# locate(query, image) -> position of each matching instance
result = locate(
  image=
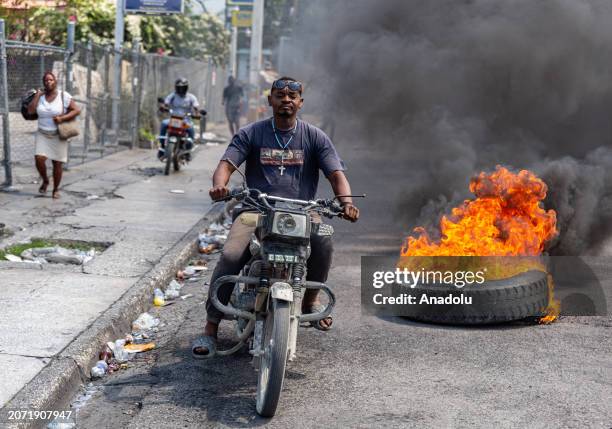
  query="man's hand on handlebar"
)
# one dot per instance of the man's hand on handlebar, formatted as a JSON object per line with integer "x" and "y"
{"x": 350, "y": 212}
{"x": 328, "y": 208}
{"x": 218, "y": 192}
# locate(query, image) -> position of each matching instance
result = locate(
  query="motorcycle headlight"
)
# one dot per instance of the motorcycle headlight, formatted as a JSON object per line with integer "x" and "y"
{"x": 173, "y": 139}
{"x": 290, "y": 224}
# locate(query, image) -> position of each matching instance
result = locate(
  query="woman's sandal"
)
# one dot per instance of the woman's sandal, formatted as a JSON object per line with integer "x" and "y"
{"x": 205, "y": 342}
{"x": 317, "y": 308}
{"x": 43, "y": 188}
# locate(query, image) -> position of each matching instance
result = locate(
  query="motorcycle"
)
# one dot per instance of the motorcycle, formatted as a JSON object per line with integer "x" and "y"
{"x": 177, "y": 144}
{"x": 267, "y": 296}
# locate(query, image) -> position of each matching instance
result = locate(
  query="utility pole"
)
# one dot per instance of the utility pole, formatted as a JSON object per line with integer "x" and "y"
{"x": 229, "y": 25}
{"x": 116, "y": 95}
{"x": 255, "y": 60}
{"x": 233, "y": 52}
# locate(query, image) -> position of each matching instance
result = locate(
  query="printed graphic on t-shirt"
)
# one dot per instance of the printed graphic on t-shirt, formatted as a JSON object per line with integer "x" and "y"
{"x": 287, "y": 157}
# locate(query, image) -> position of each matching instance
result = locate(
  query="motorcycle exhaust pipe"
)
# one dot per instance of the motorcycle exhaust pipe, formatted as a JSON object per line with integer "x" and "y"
{"x": 312, "y": 317}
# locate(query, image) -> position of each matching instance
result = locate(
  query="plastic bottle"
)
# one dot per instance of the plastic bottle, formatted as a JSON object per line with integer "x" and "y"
{"x": 121, "y": 355}
{"x": 100, "y": 369}
{"x": 158, "y": 298}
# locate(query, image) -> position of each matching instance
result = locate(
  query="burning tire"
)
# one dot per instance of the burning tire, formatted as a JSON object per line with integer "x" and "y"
{"x": 519, "y": 297}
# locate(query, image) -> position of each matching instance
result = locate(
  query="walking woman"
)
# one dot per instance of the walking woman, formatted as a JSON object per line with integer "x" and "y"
{"x": 53, "y": 107}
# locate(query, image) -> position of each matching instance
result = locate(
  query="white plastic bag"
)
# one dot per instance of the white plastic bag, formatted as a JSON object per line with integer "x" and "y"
{"x": 144, "y": 322}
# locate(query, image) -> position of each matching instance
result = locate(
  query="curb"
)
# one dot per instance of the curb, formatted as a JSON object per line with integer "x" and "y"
{"x": 53, "y": 387}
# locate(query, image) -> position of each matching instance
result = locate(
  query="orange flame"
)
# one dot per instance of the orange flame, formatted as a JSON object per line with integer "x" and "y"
{"x": 554, "y": 305}
{"x": 505, "y": 219}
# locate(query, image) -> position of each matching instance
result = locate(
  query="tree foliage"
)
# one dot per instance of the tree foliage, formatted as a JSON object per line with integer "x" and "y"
{"x": 185, "y": 35}
{"x": 48, "y": 25}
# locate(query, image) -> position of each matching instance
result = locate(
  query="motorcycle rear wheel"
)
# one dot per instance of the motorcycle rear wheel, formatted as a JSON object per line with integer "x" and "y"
{"x": 169, "y": 156}
{"x": 274, "y": 359}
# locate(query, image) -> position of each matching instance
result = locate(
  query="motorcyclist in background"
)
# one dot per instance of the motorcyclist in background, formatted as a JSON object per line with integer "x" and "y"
{"x": 181, "y": 103}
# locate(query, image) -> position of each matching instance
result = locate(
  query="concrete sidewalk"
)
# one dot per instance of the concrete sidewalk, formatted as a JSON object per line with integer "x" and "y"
{"x": 48, "y": 313}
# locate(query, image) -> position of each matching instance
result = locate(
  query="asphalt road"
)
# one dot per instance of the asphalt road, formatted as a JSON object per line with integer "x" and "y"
{"x": 369, "y": 371}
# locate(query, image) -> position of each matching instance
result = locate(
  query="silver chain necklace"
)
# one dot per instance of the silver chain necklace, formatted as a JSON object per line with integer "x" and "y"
{"x": 284, "y": 148}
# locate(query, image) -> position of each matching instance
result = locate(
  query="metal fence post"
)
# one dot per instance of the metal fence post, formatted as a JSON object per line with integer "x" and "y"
{"x": 116, "y": 96}
{"x": 208, "y": 90}
{"x": 5, "y": 108}
{"x": 103, "y": 132}
{"x": 68, "y": 71}
{"x": 41, "y": 56}
{"x": 86, "y": 131}
{"x": 69, "y": 53}
{"x": 135, "y": 91}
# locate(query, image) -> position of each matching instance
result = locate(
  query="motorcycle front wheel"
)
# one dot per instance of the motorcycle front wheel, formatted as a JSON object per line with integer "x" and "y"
{"x": 176, "y": 162}
{"x": 169, "y": 156}
{"x": 274, "y": 358}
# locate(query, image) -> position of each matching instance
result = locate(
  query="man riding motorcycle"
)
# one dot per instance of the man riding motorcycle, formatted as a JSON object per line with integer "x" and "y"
{"x": 283, "y": 155}
{"x": 181, "y": 103}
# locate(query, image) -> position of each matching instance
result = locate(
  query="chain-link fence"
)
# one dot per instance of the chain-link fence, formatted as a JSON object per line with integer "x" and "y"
{"x": 26, "y": 65}
{"x": 89, "y": 72}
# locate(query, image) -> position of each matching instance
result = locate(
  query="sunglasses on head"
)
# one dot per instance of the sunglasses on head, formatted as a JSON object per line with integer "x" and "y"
{"x": 282, "y": 84}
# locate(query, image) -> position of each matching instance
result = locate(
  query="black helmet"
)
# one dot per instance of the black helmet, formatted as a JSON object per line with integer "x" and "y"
{"x": 180, "y": 86}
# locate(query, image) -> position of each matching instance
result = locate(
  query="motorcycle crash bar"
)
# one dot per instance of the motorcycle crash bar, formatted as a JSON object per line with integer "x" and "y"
{"x": 232, "y": 311}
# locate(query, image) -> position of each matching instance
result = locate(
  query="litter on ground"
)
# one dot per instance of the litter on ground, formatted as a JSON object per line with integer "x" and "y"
{"x": 57, "y": 255}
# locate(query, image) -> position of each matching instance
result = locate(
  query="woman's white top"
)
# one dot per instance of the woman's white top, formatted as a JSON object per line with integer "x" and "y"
{"x": 46, "y": 111}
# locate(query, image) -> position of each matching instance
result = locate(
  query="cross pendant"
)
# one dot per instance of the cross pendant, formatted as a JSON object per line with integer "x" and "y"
{"x": 282, "y": 167}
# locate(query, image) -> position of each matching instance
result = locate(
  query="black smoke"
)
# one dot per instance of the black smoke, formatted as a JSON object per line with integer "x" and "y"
{"x": 465, "y": 85}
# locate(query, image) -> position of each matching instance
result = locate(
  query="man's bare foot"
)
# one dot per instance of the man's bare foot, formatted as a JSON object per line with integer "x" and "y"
{"x": 210, "y": 330}
{"x": 325, "y": 324}
{"x": 56, "y": 195}
{"x": 315, "y": 307}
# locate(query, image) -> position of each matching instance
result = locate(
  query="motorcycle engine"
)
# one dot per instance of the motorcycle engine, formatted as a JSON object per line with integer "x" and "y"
{"x": 246, "y": 300}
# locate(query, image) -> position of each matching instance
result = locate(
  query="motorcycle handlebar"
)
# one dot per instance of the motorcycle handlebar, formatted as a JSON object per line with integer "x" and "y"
{"x": 166, "y": 109}
{"x": 326, "y": 207}
{"x": 336, "y": 208}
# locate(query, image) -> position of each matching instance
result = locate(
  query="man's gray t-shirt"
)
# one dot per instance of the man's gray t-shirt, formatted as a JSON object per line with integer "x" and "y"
{"x": 182, "y": 105}
{"x": 292, "y": 172}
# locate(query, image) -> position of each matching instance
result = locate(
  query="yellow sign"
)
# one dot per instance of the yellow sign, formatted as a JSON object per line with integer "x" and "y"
{"x": 242, "y": 18}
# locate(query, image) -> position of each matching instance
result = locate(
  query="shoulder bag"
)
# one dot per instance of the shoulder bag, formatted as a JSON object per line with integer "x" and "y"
{"x": 67, "y": 129}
